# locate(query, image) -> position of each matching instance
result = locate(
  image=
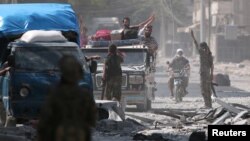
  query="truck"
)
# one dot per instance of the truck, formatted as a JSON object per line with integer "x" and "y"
{"x": 23, "y": 89}
{"x": 138, "y": 83}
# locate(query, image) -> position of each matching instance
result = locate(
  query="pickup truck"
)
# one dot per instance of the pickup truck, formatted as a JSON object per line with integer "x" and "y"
{"x": 138, "y": 83}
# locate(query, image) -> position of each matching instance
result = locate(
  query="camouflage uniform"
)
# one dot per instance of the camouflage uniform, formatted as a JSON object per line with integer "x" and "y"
{"x": 70, "y": 110}
{"x": 152, "y": 45}
{"x": 113, "y": 77}
{"x": 150, "y": 42}
{"x": 206, "y": 70}
{"x": 206, "y": 63}
{"x": 178, "y": 63}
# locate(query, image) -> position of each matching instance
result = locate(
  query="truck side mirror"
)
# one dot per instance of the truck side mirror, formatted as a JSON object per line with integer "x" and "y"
{"x": 93, "y": 66}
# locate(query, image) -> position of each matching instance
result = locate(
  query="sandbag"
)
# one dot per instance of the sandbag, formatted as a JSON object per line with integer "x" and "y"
{"x": 42, "y": 36}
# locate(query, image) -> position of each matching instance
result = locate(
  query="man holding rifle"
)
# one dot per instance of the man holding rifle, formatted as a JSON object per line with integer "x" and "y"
{"x": 206, "y": 70}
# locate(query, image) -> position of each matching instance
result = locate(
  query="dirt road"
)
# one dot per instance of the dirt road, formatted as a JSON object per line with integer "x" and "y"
{"x": 238, "y": 93}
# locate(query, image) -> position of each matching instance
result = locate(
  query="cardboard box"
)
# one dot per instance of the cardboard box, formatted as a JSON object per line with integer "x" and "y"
{"x": 116, "y": 34}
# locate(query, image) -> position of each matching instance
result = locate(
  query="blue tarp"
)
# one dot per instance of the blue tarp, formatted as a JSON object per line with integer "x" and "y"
{"x": 18, "y": 18}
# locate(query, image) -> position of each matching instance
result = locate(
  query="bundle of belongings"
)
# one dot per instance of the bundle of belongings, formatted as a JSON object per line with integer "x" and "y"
{"x": 42, "y": 36}
{"x": 104, "y": 37}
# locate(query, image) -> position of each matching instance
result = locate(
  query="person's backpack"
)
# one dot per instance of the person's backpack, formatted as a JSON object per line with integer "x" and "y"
{"x": 113, "y": 66}
{"x": 130, "y": 33}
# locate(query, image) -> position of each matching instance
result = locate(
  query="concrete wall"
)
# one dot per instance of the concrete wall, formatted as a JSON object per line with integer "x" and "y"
{"x": 241, "y": 14}
{"x": 230, "y": 50}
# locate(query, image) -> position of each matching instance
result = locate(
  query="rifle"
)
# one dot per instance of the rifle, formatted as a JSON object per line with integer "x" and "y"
{"x": 212, "y": 88}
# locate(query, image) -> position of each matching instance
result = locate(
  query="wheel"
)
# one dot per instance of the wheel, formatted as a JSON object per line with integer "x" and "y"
{"x": 177, "y": 94}
{"x": 140, "y": 107}
{"x": 144, "y": 107}
{"x": 149, "y": 104}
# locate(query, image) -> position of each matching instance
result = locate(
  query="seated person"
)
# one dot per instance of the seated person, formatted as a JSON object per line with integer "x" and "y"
{"x": 130, "y": 32}
{"x": 179, "y": 62}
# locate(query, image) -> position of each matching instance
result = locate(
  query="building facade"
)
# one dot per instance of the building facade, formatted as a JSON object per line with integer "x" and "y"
{"x": 228, "y": 29}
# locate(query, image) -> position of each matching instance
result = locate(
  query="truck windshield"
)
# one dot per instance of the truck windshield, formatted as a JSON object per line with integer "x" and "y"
{"x": 132, "y": 57}
{"x": 44, "y": 58}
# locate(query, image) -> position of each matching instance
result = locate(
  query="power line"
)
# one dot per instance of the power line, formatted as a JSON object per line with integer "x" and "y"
{"x": 168, "y": 10}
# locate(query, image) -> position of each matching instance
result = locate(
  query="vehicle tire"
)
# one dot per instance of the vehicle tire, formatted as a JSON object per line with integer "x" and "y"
{"x": 3, "y": 115}
{"x": 177, "y": 94}
{"x": 149, "y": 106}
{"x": 140, "y": 107}
{"x": 144, "y": 107}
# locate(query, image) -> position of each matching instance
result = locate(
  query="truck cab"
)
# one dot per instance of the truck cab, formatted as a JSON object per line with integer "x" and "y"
{"x": 33, "y": 72}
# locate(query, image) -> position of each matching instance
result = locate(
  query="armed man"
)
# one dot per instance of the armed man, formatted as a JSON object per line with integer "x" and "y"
{"x": 149, "y": 41}
{"x": 206, "y": 70}
{"x": 112, "y": 75}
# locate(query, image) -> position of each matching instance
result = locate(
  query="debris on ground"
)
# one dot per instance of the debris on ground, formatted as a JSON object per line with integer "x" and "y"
{"x": 22, "y": 133}
{"x": 175, "y": 124}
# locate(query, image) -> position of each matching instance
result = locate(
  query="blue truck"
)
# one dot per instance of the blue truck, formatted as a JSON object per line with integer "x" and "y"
{"x": 24, "y": 87}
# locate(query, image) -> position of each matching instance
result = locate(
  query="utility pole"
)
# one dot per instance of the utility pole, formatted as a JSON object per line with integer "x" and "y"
{"x": 202, "y": 21}
{"x": 173, "y": 39}
{"x": 209, "y": 22}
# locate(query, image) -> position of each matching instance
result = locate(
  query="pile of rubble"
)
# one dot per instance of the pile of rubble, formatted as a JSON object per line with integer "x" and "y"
{"x": 229, "y": 114}
{"x": 158, "y": 124}
{"x": 175, "y": 124}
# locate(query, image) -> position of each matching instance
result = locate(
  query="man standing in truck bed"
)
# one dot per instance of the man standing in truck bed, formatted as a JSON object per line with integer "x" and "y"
{"x": 149, "y": 41}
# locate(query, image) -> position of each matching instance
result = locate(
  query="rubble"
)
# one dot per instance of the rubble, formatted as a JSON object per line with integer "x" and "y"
{"x": 240, "y": 65}
{"x": 152, "y": 137}
{"x": 176, "y": 124}
{"x": 22, "y": 133}
{"x": 110, "y": 110}
{"x": 126, "y": 127}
